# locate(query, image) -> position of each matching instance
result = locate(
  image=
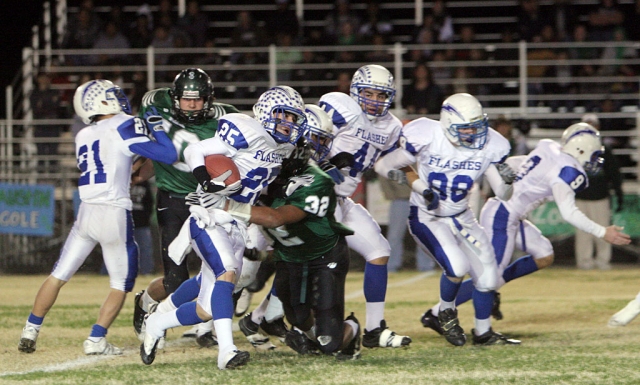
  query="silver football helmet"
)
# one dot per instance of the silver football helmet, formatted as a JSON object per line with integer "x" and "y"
{"x": 99, "y": 97}
{"x": 271, "y": 109}
{"x": 582, "y": 141}
{"x": 464, "y": 122}
{"x": 319, "y": 131}
{"x": 374, "y": 77}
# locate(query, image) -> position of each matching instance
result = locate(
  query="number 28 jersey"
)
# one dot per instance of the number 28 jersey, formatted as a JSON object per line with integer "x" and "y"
{"x": 446, "y": 168}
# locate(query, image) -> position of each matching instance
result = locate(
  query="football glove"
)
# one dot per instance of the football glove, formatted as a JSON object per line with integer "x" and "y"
{"x": 398, "y": 176}
{"x": 506, "y": 173}
{"x": 432, "y": 198}
{"x": 342, "y": 160}
{"x": 153, "y": 119}
{"x": 216, "y": 185}
{"x": 332, "y": 170}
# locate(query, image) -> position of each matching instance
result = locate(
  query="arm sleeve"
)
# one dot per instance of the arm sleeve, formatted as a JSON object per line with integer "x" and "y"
{"x": 501, "y": 189}
{"x": 565, "y": 199}
{"x": 394, "y": 160}
{"x": 194, "y": 153}
{"x": 162, "y": 150}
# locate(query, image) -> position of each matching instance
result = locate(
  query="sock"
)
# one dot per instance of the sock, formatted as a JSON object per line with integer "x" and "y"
{"x": 224, "y": 331}
{"x": 274, "y": 308}
{"x": 166, "y": 306}
{"x": 204, "y": 328}
{"x": 186, "y": 314}
{"x": 258, "y": 313}
{"x": 97, "y": 332}
{"x": 186, "y": 292}
{"x": 464, "y": 292}
{"x": 34, "y": 321}
{"x": 354, "y": 328}
{"x": 522, "y": 266}
{"x": 147, "y": 301}
{"x": 482, "y": 326}
{"x": 375, "y": 290}
{"x": 157, "y": 323}
{"x": 448, "y": 289}
{"x": 483, "y": 303}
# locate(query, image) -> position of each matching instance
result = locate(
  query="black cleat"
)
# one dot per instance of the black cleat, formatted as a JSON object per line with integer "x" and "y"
{"x": 138, "y": 316}
{"x": 299, "y": 342}
{"x": 276, "y": 328}
{"x": 238, "y": 358}
{"x": 451, "y": 328}
{"x": 383, "y": 337}
{"x": 431, "y": 321}
{"x": 495, "y": 310}
{"x": 148, "y": 349}
{"x": 492, "y": 338}
{"x": 352, "y": 351}
{"x": 251, "y": 330}
{"x": 207, "y": 340}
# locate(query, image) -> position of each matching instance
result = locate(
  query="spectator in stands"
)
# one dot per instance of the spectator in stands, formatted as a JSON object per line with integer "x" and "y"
{"x": 517, "y": 140}
{"x": 563, "y": 85}
{"x": 306, "y": 74}
{"x": 442, "y": 22}
{"x": 122, "y": 20}
{"x": 535, "y": 71}
{"x": 246, "y": 34}
{"x": 595, "y": 202}
{"x": 631, "y": 25}
{"x": 617, "y": 53}
{"x": 180, "y": 58}
{"x": 195, "y": 23}
{"x": 343, "y": 82}
{"x": 142, "y": 199}
{"x": 467, "y": 36}
{"x": 441, "y": 71}
{"x": 531, "y": 20}
{"x": 45, "y": 105}
{"x": 564, "y": 16}
{"x": 340, "y": 15}
{"x": 603, "y": 21}
{"x": 165, "y": 9}
{"x": 111, "y": 38}
{"x": 141, "y": 34}
{"x": 81, "y": 33}
{"x": 283, "y": 20}
{"x": 422, "y": 96}
{"x": 286, "y": 55}
{"x": 162, "y": 39}
{"x": 423, "y": 36}
{"x": 375, "y": 23}
{"x": 377, "y": 53}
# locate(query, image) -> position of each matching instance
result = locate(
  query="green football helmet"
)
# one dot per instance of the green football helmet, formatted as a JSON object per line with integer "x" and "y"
{"x": 192, "y": 83}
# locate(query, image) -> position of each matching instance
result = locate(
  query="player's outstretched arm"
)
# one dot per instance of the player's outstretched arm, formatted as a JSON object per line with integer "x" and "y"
{"x": 615, "y": 236}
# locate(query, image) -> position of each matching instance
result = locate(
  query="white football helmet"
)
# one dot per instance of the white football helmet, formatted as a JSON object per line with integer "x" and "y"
{"x": 270, "y": 110}
{"x": 582, "y": 141}
{"x": 99, "y": 97}
{"x": 319, "y": 131}
{"x": 464, "y": 122}
{"x": 378, "y": 78}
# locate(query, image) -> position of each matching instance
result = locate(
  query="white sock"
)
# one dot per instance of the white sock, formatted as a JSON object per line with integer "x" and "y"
{"x": 166, "y": 306}
{"x": 375, "y": 314}
{"x": 274, "y": 309}
{"x": 435, "y": 310}
{"x": 147, "y": 301}
{"x": 258, "y": 313}
{"x": 354, "y": 328}
{"x": 37, "y": 327}
{"x": 204, "y": 328}
{"x": 157, "y": 323}
{"x": 482, "y": 326}
{"x": 224, "y": 332}
{"x": 444, "y": 305}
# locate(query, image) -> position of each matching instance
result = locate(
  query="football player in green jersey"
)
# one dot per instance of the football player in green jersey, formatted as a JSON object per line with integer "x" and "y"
{"x": 190, "y": 115}
{"x": 310, "y": 250}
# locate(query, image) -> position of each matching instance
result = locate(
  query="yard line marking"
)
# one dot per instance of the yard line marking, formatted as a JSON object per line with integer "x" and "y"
{"x": 360, "y": 293}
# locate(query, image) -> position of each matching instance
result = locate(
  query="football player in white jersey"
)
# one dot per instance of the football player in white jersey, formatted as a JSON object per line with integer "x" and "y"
{"x": 451, "y": 155}
{"x": 105, "y": 150}
{"x": 551, "y": 171}
{"x": 257, "y": 146}
{"x": 364, "y": 129}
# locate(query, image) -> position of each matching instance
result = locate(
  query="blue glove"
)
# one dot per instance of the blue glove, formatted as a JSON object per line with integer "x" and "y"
{"x": 153, "y": 119}
{"x": 332, "y": 170}
{"x": 432, "y": 198}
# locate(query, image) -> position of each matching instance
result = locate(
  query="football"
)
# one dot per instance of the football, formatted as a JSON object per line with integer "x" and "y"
{"x": 219, "y": 164}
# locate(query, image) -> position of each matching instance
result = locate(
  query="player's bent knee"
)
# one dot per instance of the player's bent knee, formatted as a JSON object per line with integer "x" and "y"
{"x": 379, "y": 261}
{"x": 544, "y": 261}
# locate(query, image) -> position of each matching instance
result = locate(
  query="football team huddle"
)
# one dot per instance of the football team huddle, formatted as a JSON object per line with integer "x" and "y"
{"x": 295, "y": 168}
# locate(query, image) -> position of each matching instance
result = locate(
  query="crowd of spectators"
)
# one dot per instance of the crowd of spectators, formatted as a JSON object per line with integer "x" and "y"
{"x": 159, "y": 25}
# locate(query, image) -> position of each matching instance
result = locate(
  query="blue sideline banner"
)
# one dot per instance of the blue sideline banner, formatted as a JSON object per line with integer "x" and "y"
{"x": 26, "y": 209}
{"x": 548, "y": 219}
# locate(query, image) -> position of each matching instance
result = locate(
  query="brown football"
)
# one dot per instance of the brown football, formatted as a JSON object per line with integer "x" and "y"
{"x": 219, "y": 164}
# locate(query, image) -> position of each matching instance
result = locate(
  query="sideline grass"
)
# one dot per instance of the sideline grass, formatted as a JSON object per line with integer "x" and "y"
{"x": 560, "y": 314}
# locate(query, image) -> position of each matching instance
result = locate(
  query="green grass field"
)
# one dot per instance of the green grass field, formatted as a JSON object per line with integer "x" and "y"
{"x": 560, "y": 314}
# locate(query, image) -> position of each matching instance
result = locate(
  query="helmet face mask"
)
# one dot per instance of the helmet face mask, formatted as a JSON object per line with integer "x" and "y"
{"x": 464, "y": 122}
{"x": 373, "y": 87}
{"x": 319, "y": 132}
{"x": 582, "y": 141}
{"x": 192, "y": 83}
{"x": 99, "y": 97}
{"x": 280, "y": 109}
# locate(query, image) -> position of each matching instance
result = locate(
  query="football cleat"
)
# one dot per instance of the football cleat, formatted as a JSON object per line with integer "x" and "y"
{"x": 138, "y": 316}
{"x": 251, "y": 330}
{"x": 383, "y": 337}
{"x": 621, "y": 318}
{"x": 149, "y": 348}
{"x": 492, "y": 338}
{"x": 451, "y": 328}
{"x": 191, "y": 333}
{"x": 299, "y": 342}
{"x": 352, "y": 351}
{"x": 236, "y": 358}
{"x": 207, "y": 340}
{"x": 102, "y": 347}
{"x": 28, "y": 340}
{"x": 276, "y": 328}
{"x": 495, "y": 310}
{"x": 243, "y": 303}
{"x": 431, "y": 321}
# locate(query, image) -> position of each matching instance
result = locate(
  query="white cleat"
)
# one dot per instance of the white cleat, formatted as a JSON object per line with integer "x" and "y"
{"x": 234, "y": 359}
{"x": 102, "y": 347}
{"x": 149, "y": 348}
{"x": 28, "y": 340}
{"x": 626, "y": 315}
{"x": 243, "y": 303}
